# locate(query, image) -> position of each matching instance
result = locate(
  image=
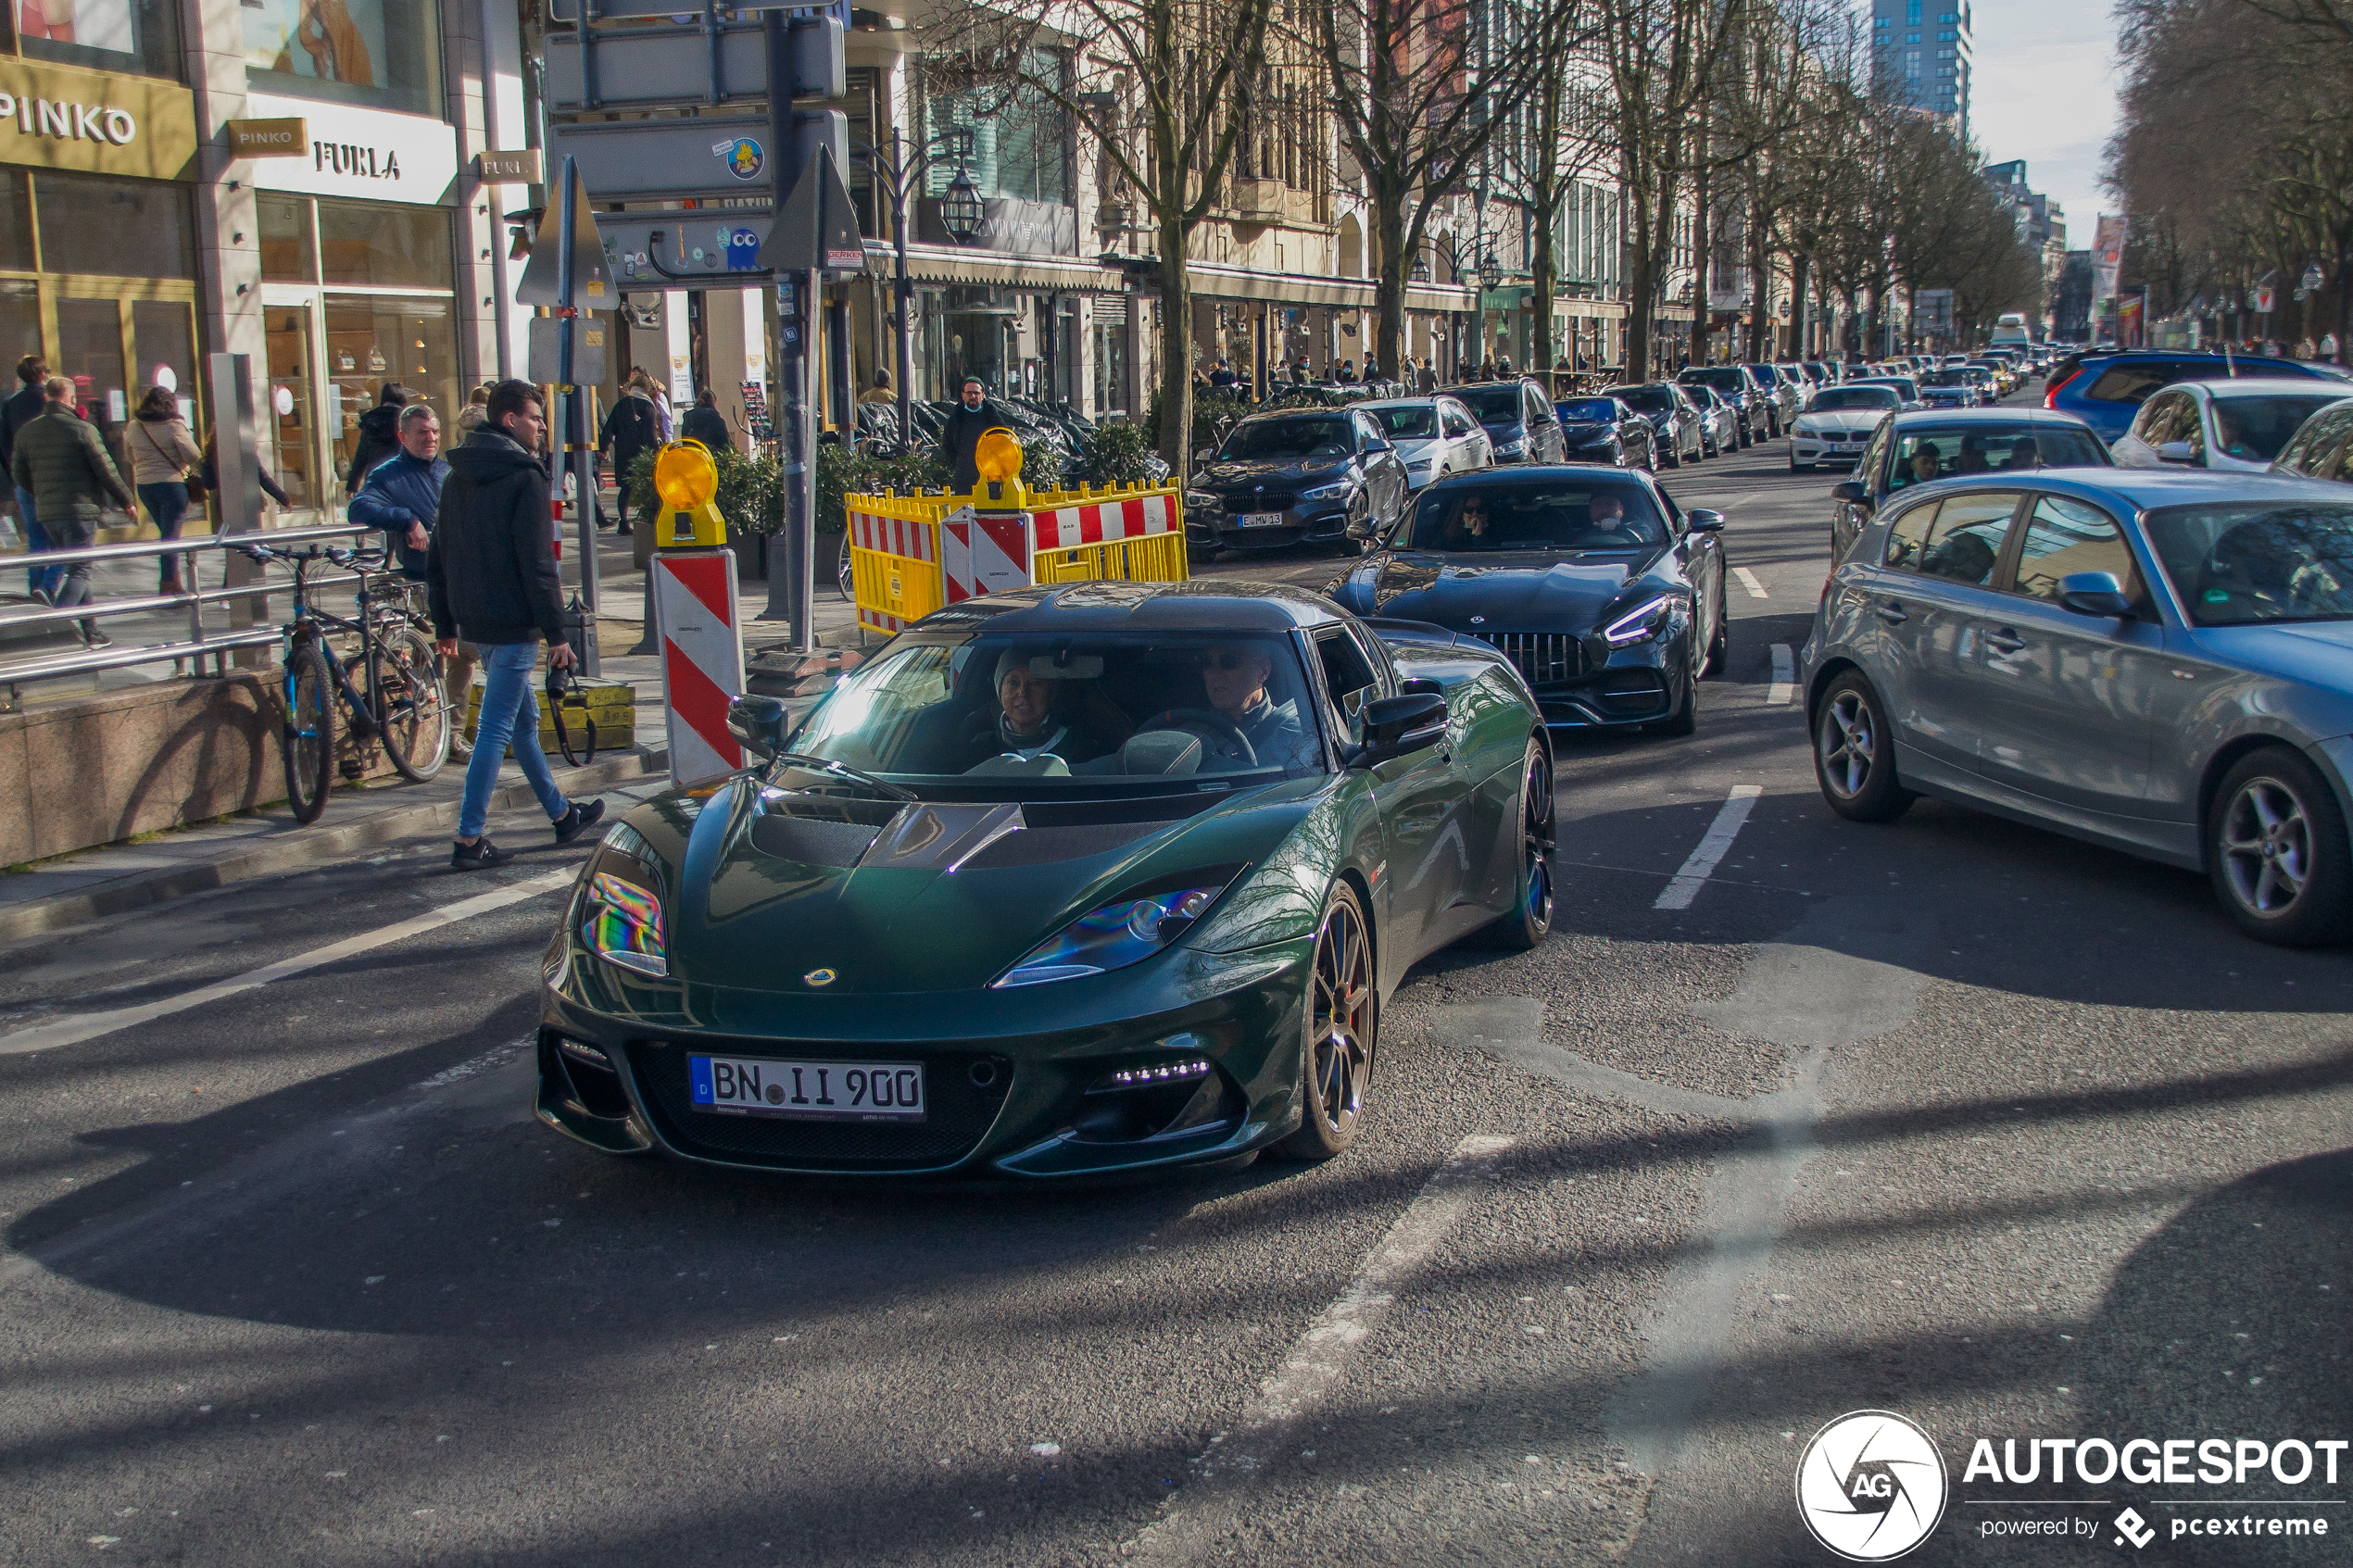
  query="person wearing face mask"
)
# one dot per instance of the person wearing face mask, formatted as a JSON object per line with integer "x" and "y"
{"x": 974, "y": 415}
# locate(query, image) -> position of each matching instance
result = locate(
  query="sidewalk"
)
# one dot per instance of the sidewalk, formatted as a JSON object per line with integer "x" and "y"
{"x": 73, "y": 890}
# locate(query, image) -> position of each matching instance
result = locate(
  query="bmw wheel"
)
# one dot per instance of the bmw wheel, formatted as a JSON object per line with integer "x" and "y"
{"x": 1530, "y": 918}
{"x": 1853, "y": 755}
{"x": 2275, "y": 848}
{"x": 1336, "y": 1059}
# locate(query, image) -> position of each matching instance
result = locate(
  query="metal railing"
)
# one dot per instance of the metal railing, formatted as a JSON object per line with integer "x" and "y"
{"x": 199, "y": 642}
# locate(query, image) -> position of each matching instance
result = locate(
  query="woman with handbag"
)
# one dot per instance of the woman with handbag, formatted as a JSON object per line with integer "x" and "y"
{"x": 162, "y": 453}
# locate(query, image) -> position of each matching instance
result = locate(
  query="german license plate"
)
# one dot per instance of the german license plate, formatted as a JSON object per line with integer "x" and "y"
{"x": 812, "y": 1091}
{"x": 1262, "y": 520}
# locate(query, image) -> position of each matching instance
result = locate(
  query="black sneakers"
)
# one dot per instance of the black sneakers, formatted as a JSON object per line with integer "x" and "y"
{"x": 477, "y": 856}
{"x": 578, "y": 820}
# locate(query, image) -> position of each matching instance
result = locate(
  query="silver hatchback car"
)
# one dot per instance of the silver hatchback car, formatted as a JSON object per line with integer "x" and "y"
{"x": 2151, "y": 659}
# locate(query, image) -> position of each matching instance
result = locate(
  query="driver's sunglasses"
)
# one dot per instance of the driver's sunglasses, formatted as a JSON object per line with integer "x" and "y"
{"x": 1223, "y": 660}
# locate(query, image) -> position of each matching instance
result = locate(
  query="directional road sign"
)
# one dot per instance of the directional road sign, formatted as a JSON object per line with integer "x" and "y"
{"x": 819, "y": 227}
{"x": 669, "y": 160}
{"x": 659, "y": 65}
{"x": 591, "y": 283}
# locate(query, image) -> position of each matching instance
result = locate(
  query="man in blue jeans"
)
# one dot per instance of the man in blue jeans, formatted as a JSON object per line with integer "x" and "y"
{"x": 491, "y": 575}
{"x": 19, "y": 410}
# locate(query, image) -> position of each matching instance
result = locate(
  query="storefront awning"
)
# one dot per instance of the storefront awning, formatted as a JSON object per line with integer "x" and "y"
{"x": 937, "y": 264}
{"x": 1212, "y": 281}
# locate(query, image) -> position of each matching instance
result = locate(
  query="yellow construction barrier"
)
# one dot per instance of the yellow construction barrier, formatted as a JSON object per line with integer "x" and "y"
{"x": 1122, "y": 533}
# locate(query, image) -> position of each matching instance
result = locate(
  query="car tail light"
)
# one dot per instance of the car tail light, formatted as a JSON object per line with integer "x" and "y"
{"x": 2050, "y": 398}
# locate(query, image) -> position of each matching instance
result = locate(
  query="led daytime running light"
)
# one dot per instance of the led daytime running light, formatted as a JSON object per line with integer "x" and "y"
{"x": 1637, "y": 624}
{"x": 1144, "y": 1077}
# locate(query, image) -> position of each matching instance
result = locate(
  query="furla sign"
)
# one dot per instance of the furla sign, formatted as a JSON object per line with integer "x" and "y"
{"x": 365, "y": 152}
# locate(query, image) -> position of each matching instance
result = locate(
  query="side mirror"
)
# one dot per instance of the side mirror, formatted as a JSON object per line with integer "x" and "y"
{"x": 2173, "y": 452}
{"x": 1851, "y": 491}
{"x": 1202, "y": 454}
{"x": 1418, "y": 685}
{"x": 1397, "y": 726}
{"x": 1377, "y": 444}
{"x": 760, "y": 722}
{"x": 2096, "y": 594}
{"x": 1699, "y": 520}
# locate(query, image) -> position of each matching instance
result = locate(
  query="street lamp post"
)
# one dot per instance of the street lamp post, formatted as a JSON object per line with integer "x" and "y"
{"x": 897, "y": 174}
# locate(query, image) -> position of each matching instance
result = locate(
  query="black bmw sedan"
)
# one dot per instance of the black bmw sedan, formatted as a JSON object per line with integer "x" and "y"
{"x": 1607, "y": 596}
{"x": 1602, "y": 430}
{"x": 1301, "y": 476}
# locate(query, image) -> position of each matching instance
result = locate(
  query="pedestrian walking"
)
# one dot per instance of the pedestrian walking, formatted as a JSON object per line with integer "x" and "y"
{"x": 379, "y": 435}
{"x": 162, "y": 453}
{"x": 60, "y": 459}
{"x": 632, "y": 428}
{"x": 1426, "y": 380}
{"x": 705, "y": 424}
{"x": 492, "y": 580}
{"x": 974, "y": 415}
{"x": 23, "y": 407}
{"x": 470, "y": 417}
{"x": 401, "y": 495}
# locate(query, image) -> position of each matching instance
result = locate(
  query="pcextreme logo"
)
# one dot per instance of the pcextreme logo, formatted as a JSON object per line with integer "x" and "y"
{"x": 1871, "y": 1486}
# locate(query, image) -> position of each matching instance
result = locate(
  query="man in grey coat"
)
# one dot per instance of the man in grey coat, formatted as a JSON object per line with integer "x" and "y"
{"x": 59, "y": 458}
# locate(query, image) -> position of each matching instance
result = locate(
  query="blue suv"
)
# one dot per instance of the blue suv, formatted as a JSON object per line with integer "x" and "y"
{"x": 2108, "y": 389}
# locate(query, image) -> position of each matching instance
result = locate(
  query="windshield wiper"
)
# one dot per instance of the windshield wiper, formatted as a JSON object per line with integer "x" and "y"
{"x": 828, "y": 765}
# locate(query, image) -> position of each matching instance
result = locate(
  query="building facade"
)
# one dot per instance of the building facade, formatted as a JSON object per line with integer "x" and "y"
{"x": 1923, "y": 55}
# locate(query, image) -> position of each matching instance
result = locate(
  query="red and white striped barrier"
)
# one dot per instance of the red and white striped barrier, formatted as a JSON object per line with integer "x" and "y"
{"x": 1106, "y": 521}
{"x": 985, "y": 553}
{"x": 892, "y": 535}
{"x": 702, "y": 659}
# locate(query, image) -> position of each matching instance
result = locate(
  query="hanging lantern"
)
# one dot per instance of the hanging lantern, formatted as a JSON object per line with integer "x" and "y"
{"x": 961, "y": 211}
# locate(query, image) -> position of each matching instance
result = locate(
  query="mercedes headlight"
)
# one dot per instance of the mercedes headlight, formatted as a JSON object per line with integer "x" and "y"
{"x": 1123, "y": 932}
{"x": 1640, "y": 624}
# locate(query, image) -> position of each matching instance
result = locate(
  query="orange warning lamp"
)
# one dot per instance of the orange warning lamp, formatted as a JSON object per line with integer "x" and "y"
{"x": 996, "y": 455}
{"x": 686, "y": 480}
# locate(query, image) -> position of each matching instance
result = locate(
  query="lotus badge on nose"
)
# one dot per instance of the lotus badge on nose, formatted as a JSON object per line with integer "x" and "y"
{"x": 819, "y": 977}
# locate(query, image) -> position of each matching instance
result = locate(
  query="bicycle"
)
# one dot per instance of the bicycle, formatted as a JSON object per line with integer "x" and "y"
{"x": 397, "y": 696}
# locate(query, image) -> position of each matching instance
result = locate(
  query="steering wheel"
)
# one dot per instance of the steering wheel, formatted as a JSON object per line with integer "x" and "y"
{"x": 1196, "y": 719}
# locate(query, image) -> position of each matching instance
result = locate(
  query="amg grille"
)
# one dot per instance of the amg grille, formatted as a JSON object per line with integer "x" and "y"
{"x": 960, "y": 1113}
{"x": 1542, "y": 658}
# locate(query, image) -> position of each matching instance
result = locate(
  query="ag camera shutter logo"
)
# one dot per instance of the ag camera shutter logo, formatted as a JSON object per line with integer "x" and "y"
{"x": 1871, "y": 1486}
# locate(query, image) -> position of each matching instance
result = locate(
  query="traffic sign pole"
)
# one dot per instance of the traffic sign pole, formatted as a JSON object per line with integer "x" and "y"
{"x": 571, "y": 409}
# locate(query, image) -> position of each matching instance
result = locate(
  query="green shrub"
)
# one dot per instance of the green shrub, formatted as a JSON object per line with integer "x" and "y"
{"x": 841, "y": 472}
{"x": 1119, "y": 452}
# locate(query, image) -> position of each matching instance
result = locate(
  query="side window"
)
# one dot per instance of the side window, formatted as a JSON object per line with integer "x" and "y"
{"x": 2330, "y": 446}
{"x": 2190, "y": 426}
{"x": 2156, "y": 418}
{"x": 1907, "y": 538}
{"x": 1966, "y": 542}
{"x": 1453, "y": 424}
{"x": 2065, "y": 536}
{"x": 1365, "y": 432}
{"x": 1348, "y": 680}
{"x": 1867, "y": 468}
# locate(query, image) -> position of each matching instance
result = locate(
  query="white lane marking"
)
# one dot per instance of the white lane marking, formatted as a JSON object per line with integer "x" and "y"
{"x": 1729, "y": 818}
{"x": 1317, "y": 1360}
{"x": 474, "y": 1066}
{"x": 1784, "y": 685}
{"x": 73, "y": 1031}
{"x": 1749, "y": 582}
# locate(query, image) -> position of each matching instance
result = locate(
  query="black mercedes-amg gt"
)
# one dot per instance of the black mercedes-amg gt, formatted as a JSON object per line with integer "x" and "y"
{"x": 1607, "y": 596}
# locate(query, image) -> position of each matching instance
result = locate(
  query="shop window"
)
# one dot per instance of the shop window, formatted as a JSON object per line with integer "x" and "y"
{"x": 20, "y": 326}
{"x": 383, "y": 246}
{"x": 15, "y": 223}
{"x": 381, "y": 53}
{"x": 163, "y": 335}
{"x": 376, "y": 340}
{"x": 114, "y": 228}
{"x": 283, "y": 223}
{"x": 90, "y": 355}
{"x": 141, "y": 37}
{"x": 1019, "y": 146}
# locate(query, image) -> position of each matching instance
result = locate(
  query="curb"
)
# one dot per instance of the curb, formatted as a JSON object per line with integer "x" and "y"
{"x": 297, "y": 847}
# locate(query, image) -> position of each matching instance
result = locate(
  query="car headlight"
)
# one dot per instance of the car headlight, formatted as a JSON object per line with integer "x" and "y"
{"x": 621, "y": 922}
{"x": 1512, "y": 448}
{"x": 1640, "y": 623}
{"x": 1418, "y": 464}
{"x": 1325, "y": 491}
{"x": 1123, "y": 932}
{"x": 1203, "y": 500}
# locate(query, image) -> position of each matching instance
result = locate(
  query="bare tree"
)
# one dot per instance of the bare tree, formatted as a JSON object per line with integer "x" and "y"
{"x": 1559, "y": 135}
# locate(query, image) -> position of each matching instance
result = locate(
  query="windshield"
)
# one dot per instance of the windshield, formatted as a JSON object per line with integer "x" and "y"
{"x": 1645, "y": 399}
{"x": 1925, "y": 452}
{"x": 2255, "y": 428}
{"x": 1903, "y": 386}
{"x": 1764, "y": 374}
{"x": 1494, "y": 405}
{"x": 1406, "y": 421}
{"x": 1593, "y": 410}
{"x": 1562, "y": 516}
{"x": 1327, "y": 436}
{"x": 2236, "y": 565}
{"x": 1072, "y": 713}
{"x": 1836, "y": 399}
{"x": 1945, "y": 378}
{"x": 1726, "y": 380}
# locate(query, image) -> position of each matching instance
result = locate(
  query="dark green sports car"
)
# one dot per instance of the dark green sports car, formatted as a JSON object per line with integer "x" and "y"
{"x": 1061, "y": 881}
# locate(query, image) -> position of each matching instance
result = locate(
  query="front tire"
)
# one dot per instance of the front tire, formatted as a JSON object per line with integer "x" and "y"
{"x": 412, "y": 708}
{"x": 1719, "y": 645}
{"x": 1854, "y": 755}
{"x": 1684, "y": 721}
{"x": 1530, "y": 920}
{"x": 2276, "y": 852}
{"x": 1336, "y": 1056}
{"x": 309, "y": 740}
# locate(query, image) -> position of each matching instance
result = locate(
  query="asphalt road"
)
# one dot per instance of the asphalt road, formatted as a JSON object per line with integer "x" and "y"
{"x": 1948, "y": 1117}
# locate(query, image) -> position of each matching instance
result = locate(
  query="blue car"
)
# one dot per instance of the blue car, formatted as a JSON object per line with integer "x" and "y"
{"x": 2154, "y": 660}
{"x": 2108, "y": 388}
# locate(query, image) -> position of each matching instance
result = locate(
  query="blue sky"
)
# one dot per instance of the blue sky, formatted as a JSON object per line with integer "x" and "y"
{"x": 2045, "y": 91}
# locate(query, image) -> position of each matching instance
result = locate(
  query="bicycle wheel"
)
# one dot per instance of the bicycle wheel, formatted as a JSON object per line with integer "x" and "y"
{"x": 411, "y": 706}
{"x": 309, "y": 744}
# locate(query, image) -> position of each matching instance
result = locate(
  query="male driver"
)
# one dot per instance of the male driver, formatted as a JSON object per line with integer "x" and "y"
{"x": 1234, "y": 676}
{"x": 492, "y": 569}
{"x": 960, "y": 436}
{"x": 402, "y": 497}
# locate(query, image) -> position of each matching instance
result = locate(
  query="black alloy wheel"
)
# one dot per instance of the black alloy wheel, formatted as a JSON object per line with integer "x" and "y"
{"x": 308, "y": 742}
{"x": 1854, "y": 755}
{"x": 1530, "y": 920}
{"x": 1684, "y": 720}
{"x": 1336, "y": 1059}
{"x": 2276, "y": 852}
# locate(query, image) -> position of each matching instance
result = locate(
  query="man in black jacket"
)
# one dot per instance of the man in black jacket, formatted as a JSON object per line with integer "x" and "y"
{"x": 21, "y": 410}
{"x": 960, "y": 434}
{"x": 492, "y": 576}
